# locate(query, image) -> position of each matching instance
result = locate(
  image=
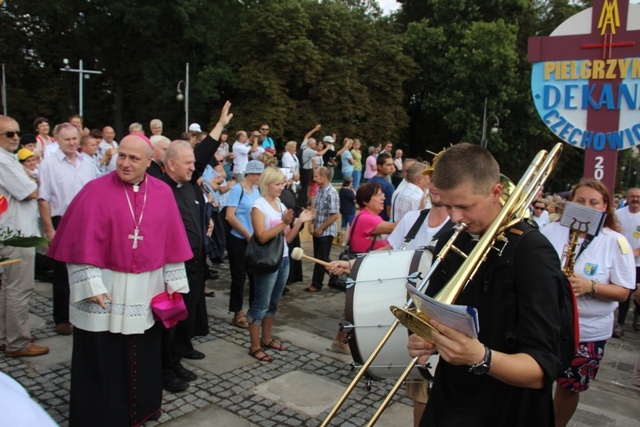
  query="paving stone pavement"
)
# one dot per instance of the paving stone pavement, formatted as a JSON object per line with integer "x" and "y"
{"x": 300, "y": 386}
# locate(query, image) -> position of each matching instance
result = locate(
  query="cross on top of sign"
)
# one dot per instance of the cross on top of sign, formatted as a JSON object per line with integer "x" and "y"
{"x": 584, "y": 83}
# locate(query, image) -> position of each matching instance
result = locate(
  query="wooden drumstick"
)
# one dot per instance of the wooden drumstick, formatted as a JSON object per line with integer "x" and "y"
{"x": 297, "y": 254}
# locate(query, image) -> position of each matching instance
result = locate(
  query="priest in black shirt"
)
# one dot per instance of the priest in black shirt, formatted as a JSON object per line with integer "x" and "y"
{"x": 183, "y": 166}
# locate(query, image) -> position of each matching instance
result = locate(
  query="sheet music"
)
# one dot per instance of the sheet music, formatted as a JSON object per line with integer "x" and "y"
{"x": 462, "y": 318}
{"x": 582, "y": 218}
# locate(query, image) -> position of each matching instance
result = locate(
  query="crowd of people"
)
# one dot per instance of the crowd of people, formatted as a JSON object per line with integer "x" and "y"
{"x": 131, "y": 220}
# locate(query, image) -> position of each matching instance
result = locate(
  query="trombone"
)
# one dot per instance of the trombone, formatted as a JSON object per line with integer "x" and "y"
{"x": 514, "y": 210}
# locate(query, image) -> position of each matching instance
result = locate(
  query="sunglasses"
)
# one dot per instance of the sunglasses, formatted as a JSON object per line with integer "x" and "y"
{"x": 264, "y": 128}
{"x": 538, "y": 208}
{"x": 11, "y": 134}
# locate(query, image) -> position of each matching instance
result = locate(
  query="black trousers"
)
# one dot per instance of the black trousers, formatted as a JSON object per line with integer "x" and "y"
{"x": 321, "y": 250}
{"x": 235, "y": 249}
{"x": 60, "y": 286}
{"x": 306, "y": 176}
{"x": 176, "y": 342}
{"x": 295, "y": 267}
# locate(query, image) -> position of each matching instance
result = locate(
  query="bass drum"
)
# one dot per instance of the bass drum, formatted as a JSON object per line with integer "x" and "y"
{"x": 378, "y": 281}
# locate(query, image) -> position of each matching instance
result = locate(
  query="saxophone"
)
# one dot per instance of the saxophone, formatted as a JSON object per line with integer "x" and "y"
{"x": 569, "y": 251}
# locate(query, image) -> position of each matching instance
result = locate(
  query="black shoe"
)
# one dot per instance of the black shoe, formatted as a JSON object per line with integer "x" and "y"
{"x": 285, "y": 291}
{"x": 156, "y": 416}
{"x": 185, "y": 375}
{"x": 194, "y": 354}
{"x": 176, "y": 385}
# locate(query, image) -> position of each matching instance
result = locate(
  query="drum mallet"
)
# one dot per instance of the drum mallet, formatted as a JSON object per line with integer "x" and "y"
{"x": 297, "y": 254}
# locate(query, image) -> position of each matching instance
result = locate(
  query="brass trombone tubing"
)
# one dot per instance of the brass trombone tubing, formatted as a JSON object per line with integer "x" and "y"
{"x": 459, "y": 228}
{"x": 513, "y": 211}
{"x": 392, "y": 392}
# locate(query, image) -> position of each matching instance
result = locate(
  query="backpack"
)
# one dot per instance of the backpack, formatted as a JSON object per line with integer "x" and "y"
{"x": 569, "y": 324}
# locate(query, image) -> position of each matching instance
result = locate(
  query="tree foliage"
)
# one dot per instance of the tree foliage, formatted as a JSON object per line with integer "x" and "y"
{"x": 419, "y": 77}
{"x": 329, "y": 63}
{"x": 141, "y": 46}
{"x": 469, "y": 50}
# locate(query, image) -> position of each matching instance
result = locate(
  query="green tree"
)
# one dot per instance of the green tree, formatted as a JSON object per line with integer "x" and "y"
{"x": 469, "y": 50}
{"x": 300, "y": 62}
{"x": 140, "y": 45}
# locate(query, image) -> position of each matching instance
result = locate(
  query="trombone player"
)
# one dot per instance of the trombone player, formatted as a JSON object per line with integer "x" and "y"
{"x": 492, "y": 380}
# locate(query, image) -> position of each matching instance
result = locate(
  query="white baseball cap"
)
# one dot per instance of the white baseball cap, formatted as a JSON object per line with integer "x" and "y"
{"x": 195, "y": 127}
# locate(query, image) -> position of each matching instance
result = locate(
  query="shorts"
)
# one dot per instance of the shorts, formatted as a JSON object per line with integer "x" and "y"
{"x": 583, "y": 368}
{"x": 418, "y": 390}
{"x": 347, "y": 220}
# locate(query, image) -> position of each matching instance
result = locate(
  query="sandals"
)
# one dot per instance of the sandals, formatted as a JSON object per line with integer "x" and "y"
{"x": 264, "y": 358}
{"x": 209, "y": 293}
{"x": 274, "y": 344}
{"x": 240, "y": 320}
{"x": 312, "y": 289}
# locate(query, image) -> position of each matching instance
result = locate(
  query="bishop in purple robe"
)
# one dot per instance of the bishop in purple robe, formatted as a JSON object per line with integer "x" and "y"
{"x": 124, "y": 243}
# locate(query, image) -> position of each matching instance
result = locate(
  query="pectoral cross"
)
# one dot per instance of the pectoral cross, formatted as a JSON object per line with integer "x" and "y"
{"x": 135, "y": 237}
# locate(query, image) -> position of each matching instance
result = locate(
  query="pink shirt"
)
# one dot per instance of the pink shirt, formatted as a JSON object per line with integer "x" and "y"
{"x": 371, "y": 167}
{"x": 361, "y": 238}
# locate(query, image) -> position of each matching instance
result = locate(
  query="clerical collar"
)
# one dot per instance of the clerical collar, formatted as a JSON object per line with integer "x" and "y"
{"x": 136, "y": 186}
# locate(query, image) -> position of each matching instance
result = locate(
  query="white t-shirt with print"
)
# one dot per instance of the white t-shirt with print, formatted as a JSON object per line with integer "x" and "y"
{"x": 272, "y": 217}
{"x": 604, "y": 261}
{"x": 630, "y": 225}
{"x": 422, "y": 239}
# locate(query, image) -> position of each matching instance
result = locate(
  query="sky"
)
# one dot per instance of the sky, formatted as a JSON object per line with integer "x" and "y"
{"x": 391, "y": 5}
{"x": 388, "y": 5}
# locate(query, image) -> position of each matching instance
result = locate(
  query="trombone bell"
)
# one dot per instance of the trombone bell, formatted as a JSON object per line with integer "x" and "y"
{"x": 416, "y": 321}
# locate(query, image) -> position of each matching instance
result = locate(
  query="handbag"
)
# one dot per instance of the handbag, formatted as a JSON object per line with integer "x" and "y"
{"x": 266, "y": 257}
{"x": 169, "y": 308}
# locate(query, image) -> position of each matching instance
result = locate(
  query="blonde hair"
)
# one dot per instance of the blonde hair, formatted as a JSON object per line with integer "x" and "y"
{"x": 290, "y": 144}
{"x": 268, "y": 159}
{"x": 269, "y": 176}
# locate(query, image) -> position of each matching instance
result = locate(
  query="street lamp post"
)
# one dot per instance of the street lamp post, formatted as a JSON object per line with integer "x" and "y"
{"x": 484, "y": 142}
{"x": 180, "y": 97}
{"x": 4, "y": 93}
{"x": 82, "y": 74}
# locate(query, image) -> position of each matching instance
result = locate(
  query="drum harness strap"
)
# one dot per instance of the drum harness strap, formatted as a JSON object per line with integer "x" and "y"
{"x": 418, "y": 224}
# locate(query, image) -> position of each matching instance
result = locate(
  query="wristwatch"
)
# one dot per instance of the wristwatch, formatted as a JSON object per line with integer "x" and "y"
{"x": 482, "y": 367}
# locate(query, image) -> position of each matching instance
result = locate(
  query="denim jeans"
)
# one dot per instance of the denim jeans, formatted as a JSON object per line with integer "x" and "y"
{"x": 356, "y": 175}
{"x": 267, "y": 292}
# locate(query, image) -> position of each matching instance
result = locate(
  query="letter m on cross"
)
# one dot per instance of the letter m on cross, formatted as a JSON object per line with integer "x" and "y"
{"x": 609, "y": 38}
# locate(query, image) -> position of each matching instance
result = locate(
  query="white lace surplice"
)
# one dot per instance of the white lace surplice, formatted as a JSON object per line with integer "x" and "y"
{"x": 129, "y": 311}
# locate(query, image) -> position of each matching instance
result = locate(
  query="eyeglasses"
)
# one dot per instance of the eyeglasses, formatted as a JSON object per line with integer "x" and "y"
{"x": 264, "y": 129}
{"x": 11, "y": 134}
{"x": 538, "y": 208}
